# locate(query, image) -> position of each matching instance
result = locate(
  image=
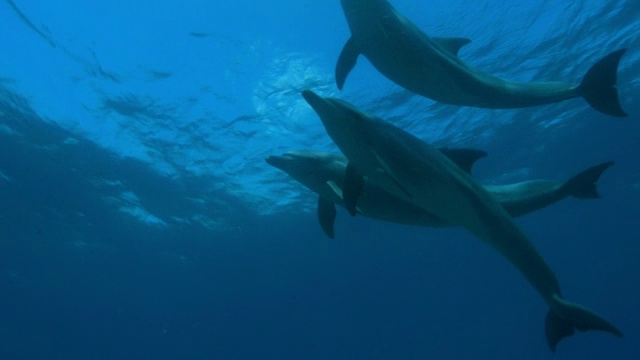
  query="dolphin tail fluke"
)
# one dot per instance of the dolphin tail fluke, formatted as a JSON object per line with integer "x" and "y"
{"x": 565, "y": 318}
{"x": 599, "y": 85}
{"x": 583, "y": 185}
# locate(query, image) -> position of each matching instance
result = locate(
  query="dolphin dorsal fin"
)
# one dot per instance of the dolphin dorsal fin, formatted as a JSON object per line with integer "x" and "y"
{"x": 464, "y": 158}
{"x": 452, "y": 44}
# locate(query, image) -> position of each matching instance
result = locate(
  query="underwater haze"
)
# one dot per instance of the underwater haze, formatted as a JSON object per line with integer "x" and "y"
{"x": 139, "y": 219}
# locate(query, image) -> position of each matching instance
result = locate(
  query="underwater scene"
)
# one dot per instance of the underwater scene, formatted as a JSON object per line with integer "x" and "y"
{"x": 319, "y": 179}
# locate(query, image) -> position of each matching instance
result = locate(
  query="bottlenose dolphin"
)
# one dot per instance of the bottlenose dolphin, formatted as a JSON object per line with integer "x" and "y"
{"x": 430, "y": 66}
{"x": 417, "y": 172}
{"x": 323, "y": 173}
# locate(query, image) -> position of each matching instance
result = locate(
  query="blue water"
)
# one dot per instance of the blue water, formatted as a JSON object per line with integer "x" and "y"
{"x": 138, "y": 219}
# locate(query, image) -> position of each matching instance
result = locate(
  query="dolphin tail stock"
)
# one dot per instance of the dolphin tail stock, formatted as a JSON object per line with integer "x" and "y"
{"x": 583, "y": 185}
{"x": 598, "y": 87}
{"x": 564, "y": 318}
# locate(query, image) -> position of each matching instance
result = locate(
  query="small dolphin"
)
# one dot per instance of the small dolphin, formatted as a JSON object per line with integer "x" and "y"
{"x": 323, "y": 173}
{"x": 430, "y": 66}
{"x": 417, "y": 172}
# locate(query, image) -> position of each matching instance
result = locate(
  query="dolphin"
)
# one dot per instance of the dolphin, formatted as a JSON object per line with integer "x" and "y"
{"x": 417, "y": 172}
{"x": 323, "y": 173}
{"x": 430, "y": 66}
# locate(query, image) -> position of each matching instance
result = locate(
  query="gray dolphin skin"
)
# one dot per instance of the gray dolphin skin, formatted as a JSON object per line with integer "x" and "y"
{"x": 430, "y": 66}
{"x": 417, "y": 172}
{"x": 323, "y": 173}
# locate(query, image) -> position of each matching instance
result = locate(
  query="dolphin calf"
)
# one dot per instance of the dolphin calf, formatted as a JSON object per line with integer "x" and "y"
{"x": 417, "y": 172}
{"x": 430, "y": 66}
{"x": 323, "y": 173}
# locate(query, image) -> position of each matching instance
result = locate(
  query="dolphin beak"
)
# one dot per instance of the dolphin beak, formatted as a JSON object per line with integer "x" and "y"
{"x": 275, "y": 161}
{"x": 314, "y": 100}
{"x": 280, "y": 162}
{"x": 324, "y": 108}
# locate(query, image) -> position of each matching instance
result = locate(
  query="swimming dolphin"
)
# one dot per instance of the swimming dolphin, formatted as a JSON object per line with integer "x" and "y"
{"x": 430, "y": 66}
{"x": 417, "y": 172}
{"x": 323, "y": 173}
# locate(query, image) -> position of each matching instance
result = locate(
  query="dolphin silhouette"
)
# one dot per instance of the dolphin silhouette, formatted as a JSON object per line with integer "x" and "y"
{"x": 417, "y": 172}
{"x": 430, "y": 66}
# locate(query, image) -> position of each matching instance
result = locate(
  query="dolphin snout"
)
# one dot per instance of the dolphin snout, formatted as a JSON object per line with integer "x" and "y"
{"x": 281, "y": 162}
{"x": 310, "y": 95}
{"x": 275, "y": 161}
{"x": 313, "y": 99}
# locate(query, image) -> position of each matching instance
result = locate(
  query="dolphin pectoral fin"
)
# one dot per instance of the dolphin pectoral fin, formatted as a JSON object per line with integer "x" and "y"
{"x": 346, "y": 62}
{"x": 452, "y": 44}
{"x": 564, "y": 318}
{"x": 352, "y": 188}
{"x": 338, "y": 192}
{"x": 387, "y": 170}
{"x": 464, "y": 158}
{"x": 326, "y": 215}
{"x": 583, "y": 185}
{"x": 598, "y": 85}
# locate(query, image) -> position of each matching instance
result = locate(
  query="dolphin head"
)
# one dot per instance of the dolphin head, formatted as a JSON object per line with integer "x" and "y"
{"x": 311, "y": 168}
{"x": 345, "y": 124}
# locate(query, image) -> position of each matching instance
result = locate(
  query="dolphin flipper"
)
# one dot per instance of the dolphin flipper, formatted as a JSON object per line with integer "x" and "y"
{"x": 352, "y": 188}
{"x": 453, "y": 44}
{"x": 564, "y": 318}
{"x": 464, "y": 158}
{"x": 583, "y": 185}
{"x": 326, "y": 215}
{"x": 346, "y": 62}
{"x": 598, "y": 86}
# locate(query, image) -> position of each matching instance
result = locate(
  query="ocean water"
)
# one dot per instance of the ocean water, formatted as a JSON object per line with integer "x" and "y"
{"x": 139, "y": 220}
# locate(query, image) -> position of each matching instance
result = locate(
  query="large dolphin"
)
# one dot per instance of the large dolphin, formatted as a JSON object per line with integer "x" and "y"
{"x": 415, "y": 171}
{"x": 323, "y": 173}
{"x": 430, "y": 66}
